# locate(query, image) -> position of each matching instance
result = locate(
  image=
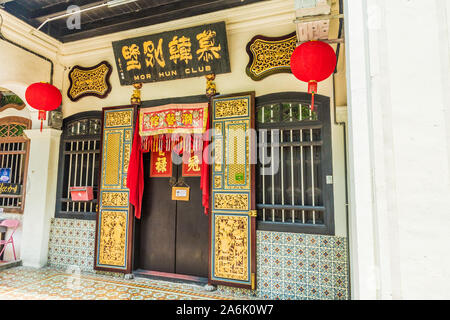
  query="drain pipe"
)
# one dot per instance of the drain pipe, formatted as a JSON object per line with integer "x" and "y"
{"x": 2, "y": 37}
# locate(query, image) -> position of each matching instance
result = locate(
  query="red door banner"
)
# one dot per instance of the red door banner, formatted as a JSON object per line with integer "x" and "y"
{"x": 192, "y": 164}
{"x": 161, "y": 164}
{"x": 173, "y": 118}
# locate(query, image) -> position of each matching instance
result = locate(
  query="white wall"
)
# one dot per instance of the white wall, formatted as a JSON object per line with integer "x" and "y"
{"x": 399, "y": 128}
{"x": 18, "y": 70}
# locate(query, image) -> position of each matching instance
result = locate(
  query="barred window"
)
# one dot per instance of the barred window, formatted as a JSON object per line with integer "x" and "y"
{"x": 14, "y": 153}
{"x": 79, "y": 164}
{"x": 294, "y": 171}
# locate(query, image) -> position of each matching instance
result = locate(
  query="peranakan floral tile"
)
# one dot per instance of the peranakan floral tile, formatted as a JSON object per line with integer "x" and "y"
{"x": 299, "y": 261}
{"x": 38, "y": 284}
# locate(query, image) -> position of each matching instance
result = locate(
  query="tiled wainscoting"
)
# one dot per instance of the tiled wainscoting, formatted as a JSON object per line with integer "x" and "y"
{"x": 290, "y": 266}
{"x": 299, "y": 266}
{"x": 72, "y": 243}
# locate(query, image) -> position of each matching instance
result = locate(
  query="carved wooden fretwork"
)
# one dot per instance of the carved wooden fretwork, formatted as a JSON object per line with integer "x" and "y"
{"x": 92, "y": 81}
{"x": 114, "y": 221}
{"x": 270, "y": 55}
{"x": 233, "y": 227}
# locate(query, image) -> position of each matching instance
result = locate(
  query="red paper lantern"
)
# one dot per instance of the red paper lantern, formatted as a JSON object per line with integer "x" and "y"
{"x": 43, "y": 97}
{"x": 313, "y": 62}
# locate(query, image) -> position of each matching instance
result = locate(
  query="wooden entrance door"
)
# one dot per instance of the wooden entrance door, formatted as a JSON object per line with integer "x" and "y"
{"x": 173, "y": 234}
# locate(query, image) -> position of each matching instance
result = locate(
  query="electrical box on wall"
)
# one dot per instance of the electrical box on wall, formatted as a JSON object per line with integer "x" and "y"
{"x": 55, "y": 119}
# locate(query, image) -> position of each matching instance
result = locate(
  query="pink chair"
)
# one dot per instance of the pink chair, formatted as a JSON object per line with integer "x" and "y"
{"x": 14, "y": 224}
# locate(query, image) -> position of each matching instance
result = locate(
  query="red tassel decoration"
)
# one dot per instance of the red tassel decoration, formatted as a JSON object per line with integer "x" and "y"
{"x": 42, "y": 117}
{"x": 312, "y": 88}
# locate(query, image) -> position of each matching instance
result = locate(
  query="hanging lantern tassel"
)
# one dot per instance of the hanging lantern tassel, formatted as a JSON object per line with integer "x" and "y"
{"x": 42, "y": 117}
{"x": 312, "y": 89}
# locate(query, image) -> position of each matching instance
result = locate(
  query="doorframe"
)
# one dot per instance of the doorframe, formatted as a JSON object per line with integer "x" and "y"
{"x": 253, "y": 158}
{"x": 131, "y": 215}
{"x": 136, "y": 235}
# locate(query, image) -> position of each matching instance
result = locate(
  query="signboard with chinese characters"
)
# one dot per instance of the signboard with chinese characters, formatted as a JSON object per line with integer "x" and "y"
{"x": 185, "y": 53}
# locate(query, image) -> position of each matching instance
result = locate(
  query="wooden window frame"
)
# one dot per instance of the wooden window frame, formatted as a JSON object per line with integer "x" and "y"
{"x": 61, "y": 166}
{"x": 21, "y": 139}
{"x": 323, "y": 102}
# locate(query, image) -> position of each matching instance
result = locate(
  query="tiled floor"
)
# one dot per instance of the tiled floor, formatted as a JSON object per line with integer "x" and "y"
{"x": 23, "y": 283}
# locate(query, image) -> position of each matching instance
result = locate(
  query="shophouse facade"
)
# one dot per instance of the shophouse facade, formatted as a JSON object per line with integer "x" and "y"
{"x": 342, "y": 218}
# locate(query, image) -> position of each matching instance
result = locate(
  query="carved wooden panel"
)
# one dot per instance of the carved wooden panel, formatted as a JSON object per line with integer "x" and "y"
{"x": 114, "y": 220}
{"x": 92, "y": 81}
{"x": 270, "y": 55}
{"x": 231, "y": 247}
{"x": 233, "y": 257}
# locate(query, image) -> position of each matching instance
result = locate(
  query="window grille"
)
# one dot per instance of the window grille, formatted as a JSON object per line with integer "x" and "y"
{"x": 294, "y": 196}
{"x": 79, "y": 164}
{"x": 14, "y": 151}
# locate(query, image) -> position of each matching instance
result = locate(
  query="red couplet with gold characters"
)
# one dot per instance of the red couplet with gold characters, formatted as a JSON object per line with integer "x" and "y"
{"x": 192, "y": 162}
{"x": 161, "y": 164}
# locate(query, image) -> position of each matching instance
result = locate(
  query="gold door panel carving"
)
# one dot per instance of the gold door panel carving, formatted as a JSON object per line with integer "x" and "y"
{"x": 231, "y": 247}
{"x": 233, "y": 233}
{"x": 112, "y": 170}
{"x": 114, "y": 199}
{"x": 217, "y": 182}
{"x": 231, "y": 201}
{"x": 119, "y": 119}
{"x": 114, "y": 221}
{"x": 235, "y": 108}
{"x": 113, "y": 226}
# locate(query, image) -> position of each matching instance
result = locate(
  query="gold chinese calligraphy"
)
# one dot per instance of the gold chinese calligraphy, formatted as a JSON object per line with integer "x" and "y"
{"x": 191, "y": 52}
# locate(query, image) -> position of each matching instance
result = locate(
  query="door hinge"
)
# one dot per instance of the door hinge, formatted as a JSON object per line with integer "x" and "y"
{"x": 253, "y": 213}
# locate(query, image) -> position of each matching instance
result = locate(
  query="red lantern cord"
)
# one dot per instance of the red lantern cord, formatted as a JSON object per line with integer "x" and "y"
{"x": 312, "y": 89}
{"x": 42, "y": 117}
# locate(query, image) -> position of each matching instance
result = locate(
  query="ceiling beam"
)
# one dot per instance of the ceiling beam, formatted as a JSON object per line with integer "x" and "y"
{"x": 151, "y": 16}
{"x": 17, "y": 10}
{"x": 60, "y": 8}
